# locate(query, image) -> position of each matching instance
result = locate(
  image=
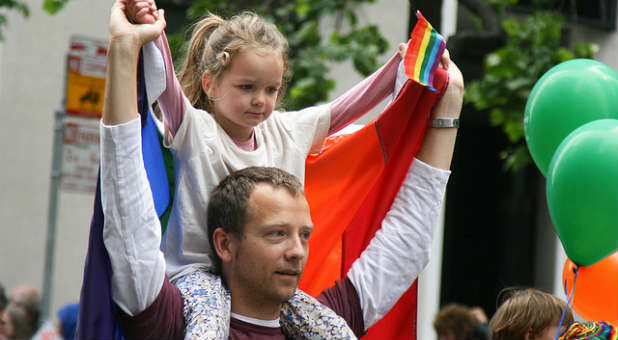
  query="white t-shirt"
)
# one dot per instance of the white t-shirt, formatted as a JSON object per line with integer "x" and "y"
{"x": 205, "y": 154}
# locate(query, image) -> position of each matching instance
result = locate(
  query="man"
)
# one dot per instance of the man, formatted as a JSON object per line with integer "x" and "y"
{"x": 259, "y": 228}
{"x": 455, "y": 321}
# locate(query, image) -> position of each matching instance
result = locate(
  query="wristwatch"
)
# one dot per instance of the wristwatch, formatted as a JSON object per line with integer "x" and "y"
{"x": 444, "y": 123}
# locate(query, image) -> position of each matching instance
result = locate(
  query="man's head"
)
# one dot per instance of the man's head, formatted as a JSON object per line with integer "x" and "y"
{"x": 15, "y": 323}
{"x": 258, "y": 226}
{"x": 455, "y": 321}
{"x": 27, "y": 297}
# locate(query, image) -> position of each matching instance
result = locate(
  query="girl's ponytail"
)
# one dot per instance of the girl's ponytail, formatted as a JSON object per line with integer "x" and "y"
{"x": 190, "y": 75}
{"x": 214, "y": 43}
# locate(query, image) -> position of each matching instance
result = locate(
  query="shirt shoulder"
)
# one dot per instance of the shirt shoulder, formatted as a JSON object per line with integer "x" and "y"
{"x": 163, "y": 319}
{"x": 343, "y": 299}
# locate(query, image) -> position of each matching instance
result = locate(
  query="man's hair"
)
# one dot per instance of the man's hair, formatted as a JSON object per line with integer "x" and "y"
{"x": 28, "y": 298}
{"x": 526, "y": 310}
{"x": 457, "y": 320}
{"x": 229, "y": 201}
{"x": 23, "y": 328}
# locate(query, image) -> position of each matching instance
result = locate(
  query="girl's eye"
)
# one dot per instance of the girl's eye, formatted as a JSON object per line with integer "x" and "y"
{"x": 272, "y": 90}
{"x": 305, "y": 235}
{"x": 246, "y": 87}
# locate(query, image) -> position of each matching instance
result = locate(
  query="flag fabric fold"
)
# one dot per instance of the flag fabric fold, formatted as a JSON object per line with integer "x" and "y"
{"x": 96, "y": 319}
{"x": 351, "y": 185}
{"x": 352, "y": 182}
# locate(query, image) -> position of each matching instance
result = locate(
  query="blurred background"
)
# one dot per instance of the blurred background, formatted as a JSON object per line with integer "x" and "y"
{"x": 496, "y": 231}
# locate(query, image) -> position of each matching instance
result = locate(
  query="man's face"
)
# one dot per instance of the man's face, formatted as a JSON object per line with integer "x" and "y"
{"x": 267, "y": 261}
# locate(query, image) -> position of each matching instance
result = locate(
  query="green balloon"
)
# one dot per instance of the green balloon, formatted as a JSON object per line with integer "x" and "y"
{"x": 566, "y": 97}
{"x": 582, "y": 191}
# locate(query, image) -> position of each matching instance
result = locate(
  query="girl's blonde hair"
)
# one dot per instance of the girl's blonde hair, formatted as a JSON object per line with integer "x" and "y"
{"x": 214, "y": 43}
{"x": 527, "y": 310}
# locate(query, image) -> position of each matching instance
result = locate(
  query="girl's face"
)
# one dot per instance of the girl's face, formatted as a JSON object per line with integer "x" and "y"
{"x": 247, "y": 92}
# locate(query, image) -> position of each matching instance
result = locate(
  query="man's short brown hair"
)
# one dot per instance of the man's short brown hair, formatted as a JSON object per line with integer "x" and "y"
{"x": 228, "y": 203}
{"x": 455, "y": 320}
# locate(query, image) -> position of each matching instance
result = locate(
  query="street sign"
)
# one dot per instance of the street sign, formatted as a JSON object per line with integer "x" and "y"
{"x": 80, "y": 156}
{"x": 85, "y": 77}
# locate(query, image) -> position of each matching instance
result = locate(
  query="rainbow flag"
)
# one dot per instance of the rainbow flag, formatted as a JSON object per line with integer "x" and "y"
{"x": 424, "y": 51}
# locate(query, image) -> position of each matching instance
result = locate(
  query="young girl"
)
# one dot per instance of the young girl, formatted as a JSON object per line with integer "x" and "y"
{"x": 232, "y": 79}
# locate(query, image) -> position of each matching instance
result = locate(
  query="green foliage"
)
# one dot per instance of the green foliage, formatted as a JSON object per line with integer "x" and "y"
{"x": 17, "y": 5}
{"x": 53, "y": 6}
{"x": 533, "y": 46}
{"x": 310, "y": 53}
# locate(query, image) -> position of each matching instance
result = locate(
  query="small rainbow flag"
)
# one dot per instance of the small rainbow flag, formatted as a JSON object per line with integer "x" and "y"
{"x": 424, "y": 52}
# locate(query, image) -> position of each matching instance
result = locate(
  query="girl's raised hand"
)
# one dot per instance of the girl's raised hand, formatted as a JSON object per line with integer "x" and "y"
{"x": 122, "y": 30}
{"x": 142, "y": 11}
{"x": 403, "y": 48}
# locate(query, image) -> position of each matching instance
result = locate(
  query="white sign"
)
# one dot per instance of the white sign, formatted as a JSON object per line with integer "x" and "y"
{"x": 80, "y": 157}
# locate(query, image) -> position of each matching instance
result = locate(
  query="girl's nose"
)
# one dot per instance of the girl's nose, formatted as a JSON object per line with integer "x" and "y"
{"x": 258, "y": 99}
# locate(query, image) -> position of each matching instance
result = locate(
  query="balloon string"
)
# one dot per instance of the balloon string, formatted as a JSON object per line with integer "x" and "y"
{"x": 569, "y": 300}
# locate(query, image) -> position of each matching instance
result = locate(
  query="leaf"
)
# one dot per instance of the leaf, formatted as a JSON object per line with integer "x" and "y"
{"x": 53, "y": 6}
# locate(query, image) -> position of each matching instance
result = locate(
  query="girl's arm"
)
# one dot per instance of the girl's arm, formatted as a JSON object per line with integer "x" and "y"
{"x": 171, "y": 100}
{"x": 364, "y": 96}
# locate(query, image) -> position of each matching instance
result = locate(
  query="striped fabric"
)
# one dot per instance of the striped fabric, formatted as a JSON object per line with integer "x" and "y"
{"x": 592, "y": 330}
{"x": 424, "y": 51}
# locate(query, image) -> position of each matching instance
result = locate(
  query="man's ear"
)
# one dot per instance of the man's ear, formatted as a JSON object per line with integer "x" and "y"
{"x": 207, "y": 83}
{"x": 224, "y": 244}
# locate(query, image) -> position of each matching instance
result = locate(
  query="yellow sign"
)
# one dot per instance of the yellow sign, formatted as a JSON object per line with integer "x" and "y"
{"x": 85, "y": 77}
{"x": 84, "y": 95}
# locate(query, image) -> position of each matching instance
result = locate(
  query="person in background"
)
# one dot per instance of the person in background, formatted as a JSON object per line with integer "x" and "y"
{"x": 67, "y": 320}
{"x": 28, "y": 298}
{"x": 3, "y": 299}
{"x": 22, "y": 314}
{"x": 16, "y": 323}
{"x": 528, "y": 314}
{"x": 455, "y": 321}
{"x": 3, "y": 302}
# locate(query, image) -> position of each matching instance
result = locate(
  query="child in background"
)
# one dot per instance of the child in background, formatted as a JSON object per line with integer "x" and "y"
{"x": 225, "y": 120}
{"x": 528, "y": 314}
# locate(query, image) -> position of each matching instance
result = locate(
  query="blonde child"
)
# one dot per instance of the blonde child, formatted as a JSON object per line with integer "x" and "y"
{"x": 220, "y": 117}
{"x": 528, "y": 314}
{"x": 232, "y": 78}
